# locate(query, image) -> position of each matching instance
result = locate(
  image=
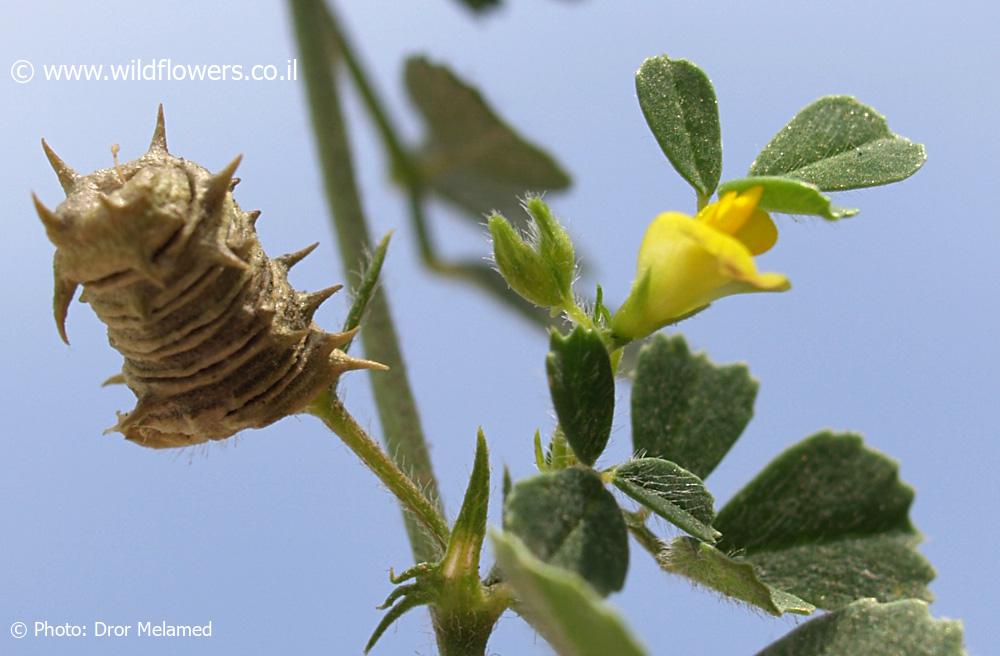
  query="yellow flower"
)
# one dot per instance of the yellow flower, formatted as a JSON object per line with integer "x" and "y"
{"x": 686, "y": 263}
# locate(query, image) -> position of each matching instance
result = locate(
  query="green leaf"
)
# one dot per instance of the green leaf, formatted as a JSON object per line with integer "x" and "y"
{"x": 685, "y": 408}
{"x": 561, "y": 606}
{"x": 790, "y": 196}
{"x": 900, "y": 628}
{"x": 839, "y": 143}
{"x": 704, "y": 564}
{"x": 680, "y": 107}
{"x": 583, "y": 390}
{"x": 569, "y": 520}
{"x": 467, "y": 535}
{"x": 828, "y": 521}
{"x": 470, "y": 156}
{"x": 670, "y": 491}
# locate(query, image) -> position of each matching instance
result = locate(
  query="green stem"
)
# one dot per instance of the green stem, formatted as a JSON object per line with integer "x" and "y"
{"x": 332, "y": 412}
{"x": 576, "y": 313}
{"x": 636, "y": 523}
{"x": 408, "y": 172}
{"x": 390, "y": 138}
{"x": 393, "y": 397}
{"x": 614, "y": 346}
{"x": 402, "y": 164}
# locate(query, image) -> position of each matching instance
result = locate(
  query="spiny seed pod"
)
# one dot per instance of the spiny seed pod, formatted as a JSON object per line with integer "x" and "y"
{"x": 215, "y": 339}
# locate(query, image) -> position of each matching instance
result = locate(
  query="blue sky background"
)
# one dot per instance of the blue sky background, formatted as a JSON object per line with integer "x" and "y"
{"x": 280, "y": 537}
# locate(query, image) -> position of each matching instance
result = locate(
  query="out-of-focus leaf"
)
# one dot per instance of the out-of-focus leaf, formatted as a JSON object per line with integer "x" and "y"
{"x": 470, "y": 156}
{"x": 704, "y": 564}
{"x": 583, "y": 390}
{"x": 679, "y": 104}
{"x": 790, "y": 196}
{"x": 568, "y": 519}
{"x": 480, "y": 5}
{"x": 561, "y": 606}
{"x": 486, "y": 5}
{"x": 828, "y": 521}
{"x": 839, "y": 143}
{"x": 900, "y": 628}
{"x": 686, "y": 409}
{"x": 670, "y": 491}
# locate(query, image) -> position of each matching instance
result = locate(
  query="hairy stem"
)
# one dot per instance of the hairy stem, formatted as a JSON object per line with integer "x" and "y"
{"x": 578, "y": 316}
{"x": 332, "y": 412}
{"x": 636, "y": 523}
{"x": 396, "y": 406}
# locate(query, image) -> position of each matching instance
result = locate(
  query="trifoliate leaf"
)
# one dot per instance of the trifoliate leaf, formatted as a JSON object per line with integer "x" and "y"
{"x": 900, "y": 628}
{"x": 583, "y": 390}
{"x": 686, "y": 409}
{"x": 470, "y": 156}
{"x": 790, "y": 196}
{"x": 568, "y": 519}
{"x": 670, "y": 491}
{"x": 828, "y": 521}
{"x": 561, "y": 606}
{"x": 839, "y": 143}
{"x": 704, "y": 564}
{"x": 679, "y": 104}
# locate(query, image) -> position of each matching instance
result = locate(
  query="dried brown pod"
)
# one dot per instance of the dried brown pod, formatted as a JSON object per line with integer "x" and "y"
{"x": 215, "y": 339}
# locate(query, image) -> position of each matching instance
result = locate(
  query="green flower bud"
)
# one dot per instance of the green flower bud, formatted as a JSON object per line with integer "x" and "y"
{"x": 540, "y": 267}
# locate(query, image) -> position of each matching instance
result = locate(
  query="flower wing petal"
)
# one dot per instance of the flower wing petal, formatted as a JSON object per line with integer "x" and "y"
{"x": 758, "y": 233}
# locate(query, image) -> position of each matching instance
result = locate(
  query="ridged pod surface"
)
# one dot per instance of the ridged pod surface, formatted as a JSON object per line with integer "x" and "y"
{"x": 215, "y": 339}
